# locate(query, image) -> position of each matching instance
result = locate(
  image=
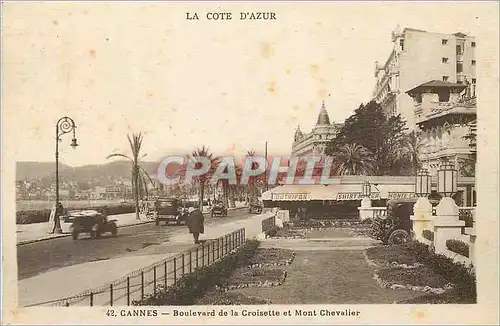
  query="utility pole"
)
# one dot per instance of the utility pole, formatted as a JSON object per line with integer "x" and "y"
{"x": 265, "y": 171}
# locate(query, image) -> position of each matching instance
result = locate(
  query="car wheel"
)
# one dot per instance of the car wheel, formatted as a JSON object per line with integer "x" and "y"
{"x": 398, "y": 237}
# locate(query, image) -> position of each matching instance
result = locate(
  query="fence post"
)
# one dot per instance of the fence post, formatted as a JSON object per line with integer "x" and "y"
{"x": 175, "y": 270}
{"x": 190, "y": 262}
{"x": 183, "y": 259}
{"x": 91, "y": 299}
{"x": 218, "y": 248}
{"x": 154, "y": 280}
{"x": 111, "y": 294}
{"x": 165, "y": 276}
{"x": 208, "y": 254}
{"x": 197, "y": 257}
{"x": 142, "y": 285}
{"x": 128, "y": 290}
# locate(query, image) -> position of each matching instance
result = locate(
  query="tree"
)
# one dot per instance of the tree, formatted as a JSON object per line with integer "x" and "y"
{"x": 139, "y": 175}
{"x": 202, "y": 179}
{"x": 468, "y": 165}
{"x": 383, "y": 137}
{"x": 353, "y": 159}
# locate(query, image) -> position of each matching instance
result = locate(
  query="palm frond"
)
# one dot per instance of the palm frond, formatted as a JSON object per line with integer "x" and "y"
{"x": 119, "y": 155}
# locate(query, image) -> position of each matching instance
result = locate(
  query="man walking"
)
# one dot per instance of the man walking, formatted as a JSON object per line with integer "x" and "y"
{"x": 195, "y": 223}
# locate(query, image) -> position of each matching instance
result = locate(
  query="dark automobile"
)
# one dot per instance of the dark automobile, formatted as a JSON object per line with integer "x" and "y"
{"x": 169, "y": 210}
{"x": 218, "y": 209}
{"x": 255, "y": 207}
{"x": 90, "y": 221}
{"x": 396, "y": 226}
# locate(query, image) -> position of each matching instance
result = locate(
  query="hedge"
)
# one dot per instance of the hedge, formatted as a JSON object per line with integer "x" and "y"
{"x": 428, "y": 234}
{"x": 461, "y": 276}
{"x": 40, "y": 216}
{"x": 193, "y": 286}
{"x": 466, "y": 216}
{"x": 458, "y": 247}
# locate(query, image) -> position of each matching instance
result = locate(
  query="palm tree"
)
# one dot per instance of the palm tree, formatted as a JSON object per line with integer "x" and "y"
{"x": 353, "y": 159}
{"x": 139, "y": 175}
{"x": 202, "y": 179}
{"x": 412, "y": 147}
{"x": 252, "y": 181}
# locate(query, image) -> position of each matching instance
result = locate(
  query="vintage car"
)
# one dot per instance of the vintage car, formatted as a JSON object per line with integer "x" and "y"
{"x": 218, "y": 209}
{"x": 395, "y": 227}
{"x": 170, "y": 210}
{"x": 255, "y": 207}
{"x": 89, "y": 221}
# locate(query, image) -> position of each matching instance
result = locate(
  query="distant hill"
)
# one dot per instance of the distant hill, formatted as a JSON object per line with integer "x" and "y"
{"x": 41, "y": 170}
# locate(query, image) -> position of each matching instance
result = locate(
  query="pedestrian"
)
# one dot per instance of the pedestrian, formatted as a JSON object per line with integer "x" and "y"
{"x": 195, "y": 223}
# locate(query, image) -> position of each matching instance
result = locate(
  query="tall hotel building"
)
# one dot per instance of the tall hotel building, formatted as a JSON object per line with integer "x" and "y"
{"x": 419, "y": 57}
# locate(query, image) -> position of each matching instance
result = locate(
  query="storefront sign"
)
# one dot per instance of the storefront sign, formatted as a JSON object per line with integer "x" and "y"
{"x": 290, "y": 196}
{"x": 356, "y": 196}
{"x": 401, "y": 195}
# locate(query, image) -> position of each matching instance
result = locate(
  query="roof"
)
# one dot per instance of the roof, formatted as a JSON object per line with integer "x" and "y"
{"x": 323, "y": 118}
{"x": 436, "y": 84}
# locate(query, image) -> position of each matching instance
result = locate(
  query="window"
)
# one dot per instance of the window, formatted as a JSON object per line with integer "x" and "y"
{"x": 444, "y": 96}
{"x": 444, "y": 60}
{"x": 473, "y": 62}
{"x": 444, "y": 41}
{"x": 460, "y": 50}
{"x": 402, "y": 44}
{"x": 445, "y": 78}
{"x": 473, "y": 44}
{"x": 473, "y": 80}
{"x": 460, "y": 67}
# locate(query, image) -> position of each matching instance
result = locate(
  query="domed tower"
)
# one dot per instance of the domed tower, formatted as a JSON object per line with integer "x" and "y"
{"x": 298, "y": 134}
{"x": 323, "y": 118}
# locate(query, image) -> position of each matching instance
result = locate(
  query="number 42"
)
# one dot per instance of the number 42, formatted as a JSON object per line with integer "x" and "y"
{"x": 110, "y": 313}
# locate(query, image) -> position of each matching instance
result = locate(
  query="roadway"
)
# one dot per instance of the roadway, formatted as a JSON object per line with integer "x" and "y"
{"x": 39, "y": 257}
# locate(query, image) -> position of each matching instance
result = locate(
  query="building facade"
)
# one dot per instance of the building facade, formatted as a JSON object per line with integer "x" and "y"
{"x": 315, "y": 142}
{"x": 417, "y": 57}
{"x": 445, "y": 113}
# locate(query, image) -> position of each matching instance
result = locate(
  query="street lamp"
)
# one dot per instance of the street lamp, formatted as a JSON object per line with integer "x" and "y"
{"x": 423, "y": 183}
{"x": 63, "y": 126}
{"x": 447, "y": 179}
{"x": 366, "y": 189}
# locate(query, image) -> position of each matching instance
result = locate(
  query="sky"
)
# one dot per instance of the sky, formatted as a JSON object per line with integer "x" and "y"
{"x": 119, "y": 68}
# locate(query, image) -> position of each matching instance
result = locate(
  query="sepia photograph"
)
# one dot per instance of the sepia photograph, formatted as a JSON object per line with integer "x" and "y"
{"x": 253, "y": 163}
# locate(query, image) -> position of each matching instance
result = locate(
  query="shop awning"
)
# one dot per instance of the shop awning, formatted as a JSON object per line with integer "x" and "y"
{"x": 337, "y": 192}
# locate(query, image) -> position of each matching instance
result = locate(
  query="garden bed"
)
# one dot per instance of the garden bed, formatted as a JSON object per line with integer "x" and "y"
{"x": 286, "y": 233}
{"x": 391, "y": 256}
{"x": 417, "y": 279}
{"x": 230, "y": 298}
{"x": 271, "y": 257}
{"x": 254, "y": 277}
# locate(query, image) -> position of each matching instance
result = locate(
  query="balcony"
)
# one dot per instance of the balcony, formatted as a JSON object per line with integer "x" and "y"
{"x": 434, "y": 109}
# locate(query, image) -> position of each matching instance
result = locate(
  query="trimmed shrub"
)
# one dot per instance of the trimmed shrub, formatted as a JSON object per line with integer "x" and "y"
{"x": 458, "y": 247}
{"x": 466, "y": 216}
{"x": 461, "y": 276}
{"x": 428, "y": 234}
{"x": 272, "y": 232}
{"x": 193, "y": 286}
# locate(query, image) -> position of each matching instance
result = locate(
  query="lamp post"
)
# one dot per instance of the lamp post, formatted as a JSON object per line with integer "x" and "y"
{"x": 447, "y": 224}
{"x": 63, "y": 126}
{"x": 422, "y": 210}
{"x": 366, "y": 203}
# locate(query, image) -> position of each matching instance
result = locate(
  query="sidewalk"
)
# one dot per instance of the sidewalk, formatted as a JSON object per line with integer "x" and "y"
{"x": 29, "y": 233}
{"x": 69, "y": 281}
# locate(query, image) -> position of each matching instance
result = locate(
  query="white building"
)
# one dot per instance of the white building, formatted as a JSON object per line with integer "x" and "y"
{"x": 315, "y": 142}
{"x": 417, "y": 57}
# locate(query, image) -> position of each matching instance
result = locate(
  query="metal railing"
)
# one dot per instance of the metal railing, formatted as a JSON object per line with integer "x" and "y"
{"x": 268, "y": 223}
{"x": 136, "y": 285}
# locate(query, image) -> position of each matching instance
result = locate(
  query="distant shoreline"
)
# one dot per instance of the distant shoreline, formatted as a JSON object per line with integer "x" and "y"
{"x": 25, "y": 205}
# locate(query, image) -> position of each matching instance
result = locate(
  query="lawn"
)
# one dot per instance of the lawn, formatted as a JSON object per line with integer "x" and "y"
{"x": 229, "y": 298}
{"x": 329, "y": 277}
{"x": 385, "y": 255}
{"x": 420, "y": 276}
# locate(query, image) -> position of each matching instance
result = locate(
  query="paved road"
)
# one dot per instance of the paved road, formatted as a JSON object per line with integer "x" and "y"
{"x": 40, "y": 257}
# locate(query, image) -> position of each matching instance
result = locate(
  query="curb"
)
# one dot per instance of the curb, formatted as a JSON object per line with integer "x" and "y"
{"x": 68, "y": 235}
